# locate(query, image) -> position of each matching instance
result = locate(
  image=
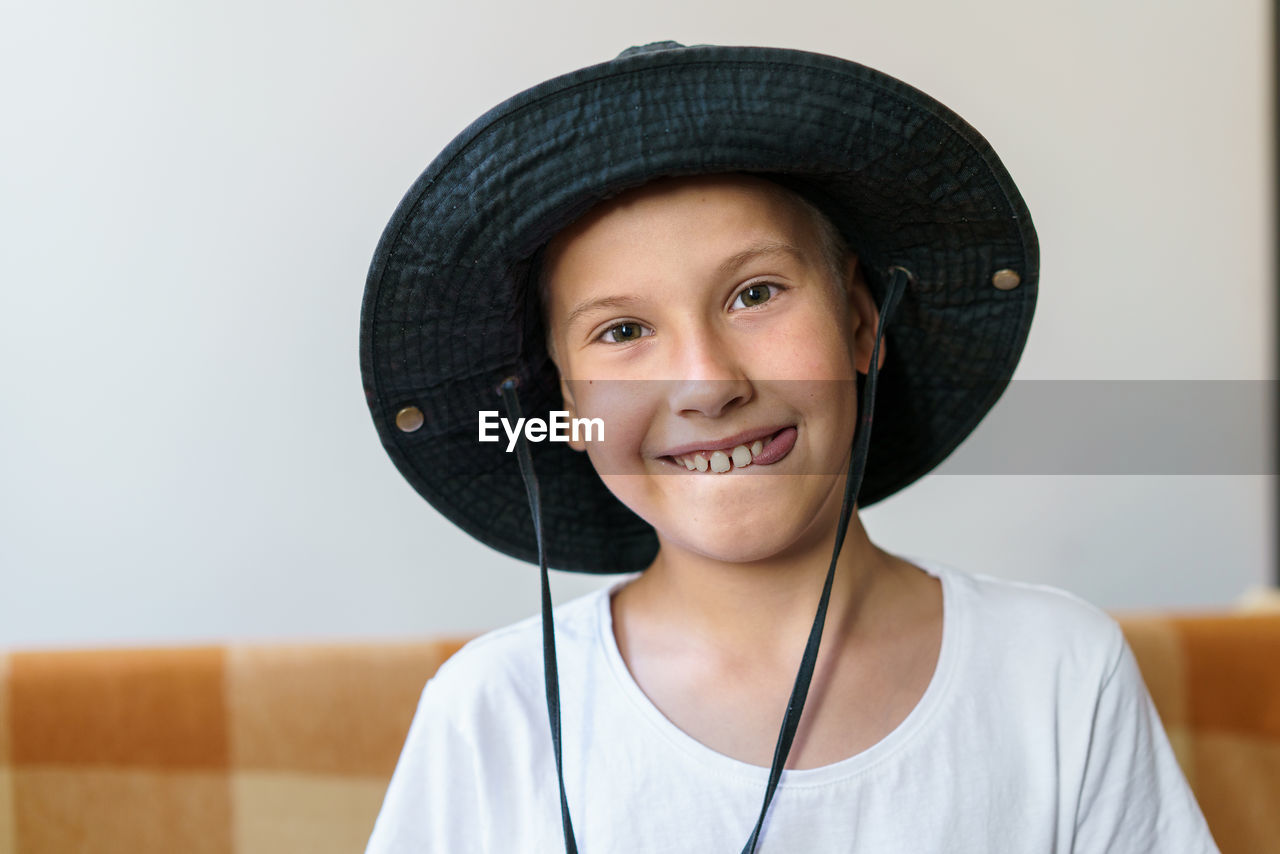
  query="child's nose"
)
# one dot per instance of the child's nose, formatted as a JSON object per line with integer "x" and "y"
{"x": 711, "y": 379}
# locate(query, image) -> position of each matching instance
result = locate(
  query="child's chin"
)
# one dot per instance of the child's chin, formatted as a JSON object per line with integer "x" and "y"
{"x": 736, "y": 548}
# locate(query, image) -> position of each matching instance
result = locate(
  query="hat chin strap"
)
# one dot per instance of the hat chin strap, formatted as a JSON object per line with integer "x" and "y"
{"x": 525, "y": 459}
{"x": 900, "y": 277}
{"x": 857, "y": 465}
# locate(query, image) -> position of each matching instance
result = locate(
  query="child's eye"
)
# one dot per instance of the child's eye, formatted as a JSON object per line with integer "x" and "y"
{"x": 755, "y": 295}
{"x": 624, "y": 332}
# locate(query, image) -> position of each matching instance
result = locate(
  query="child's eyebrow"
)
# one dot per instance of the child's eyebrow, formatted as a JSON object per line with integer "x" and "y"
{"x": 600, "y": 302}
{"x": 770, "y": 247}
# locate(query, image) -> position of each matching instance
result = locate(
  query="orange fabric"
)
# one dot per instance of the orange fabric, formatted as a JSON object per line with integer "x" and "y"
{"x": 1233, "y": 670}
{"x": 355, "y": 718}
{"x": 1215, "y": 679}
{"x": 1238, "y": 787}
{"x": 216, "y": 750}
{"x": 276, "y": 749}
{"x": 159, "y": 708}
{"x": 106, "y": 810}
{"x": 4, "y": 718}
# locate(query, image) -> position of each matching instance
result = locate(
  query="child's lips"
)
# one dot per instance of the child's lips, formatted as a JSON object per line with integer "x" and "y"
{"x": 728, "y": 443}
{"x": 783, "y": 441}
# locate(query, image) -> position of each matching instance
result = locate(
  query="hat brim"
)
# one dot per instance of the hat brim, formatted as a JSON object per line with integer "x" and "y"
{"x": 444, "y": 317}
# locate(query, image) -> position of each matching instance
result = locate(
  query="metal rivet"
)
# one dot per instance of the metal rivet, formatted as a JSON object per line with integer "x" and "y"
{"x": 1006, "y": 280}
{"x": 409, "y": 419}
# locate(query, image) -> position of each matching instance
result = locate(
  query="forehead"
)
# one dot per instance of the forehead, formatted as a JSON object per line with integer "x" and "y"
{"x": 698, "y": 216}
{"x": 675, "y": 200}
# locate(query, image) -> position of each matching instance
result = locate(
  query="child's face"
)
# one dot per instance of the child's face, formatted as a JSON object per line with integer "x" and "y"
{"x": 695, "y": 313}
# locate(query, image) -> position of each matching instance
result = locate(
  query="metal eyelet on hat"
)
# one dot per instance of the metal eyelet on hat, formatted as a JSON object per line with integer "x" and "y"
{"x": 1006, "y": 279}
{"x": 409, "y": 419}
{"x": 911, "y": 277}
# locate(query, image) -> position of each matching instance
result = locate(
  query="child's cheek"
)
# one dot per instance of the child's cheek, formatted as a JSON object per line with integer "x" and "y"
{"x": 625, "y": 408}
{"x": 827, "y": 351}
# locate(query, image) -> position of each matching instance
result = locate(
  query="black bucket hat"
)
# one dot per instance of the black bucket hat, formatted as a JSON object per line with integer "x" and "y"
{"x": 448, "y": 309}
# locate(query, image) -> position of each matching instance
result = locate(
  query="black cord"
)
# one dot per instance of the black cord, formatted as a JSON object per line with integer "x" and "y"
{"x": 857, "y": 465}
{"x": 512, "y": 403}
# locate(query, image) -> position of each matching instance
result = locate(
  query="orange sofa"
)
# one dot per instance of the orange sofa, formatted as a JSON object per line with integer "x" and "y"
{"x": 272, "y": 749}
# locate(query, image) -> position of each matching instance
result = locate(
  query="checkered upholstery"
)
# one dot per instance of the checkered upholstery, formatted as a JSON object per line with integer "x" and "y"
{"x": 274, "y": 749}
{"x": 1216, "y": 683}
{"x": 244, "y": 749}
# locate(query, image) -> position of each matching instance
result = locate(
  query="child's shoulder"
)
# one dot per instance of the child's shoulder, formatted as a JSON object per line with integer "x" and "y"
{"x": 504, "y": 666}
{"x": 1030, "y": 620}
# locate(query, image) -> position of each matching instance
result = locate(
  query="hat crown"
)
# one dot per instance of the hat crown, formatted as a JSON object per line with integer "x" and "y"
{"x": 651, "y": 47}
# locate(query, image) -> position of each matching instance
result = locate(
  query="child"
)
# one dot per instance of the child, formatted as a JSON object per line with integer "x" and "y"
{"x": 713, "y": 252}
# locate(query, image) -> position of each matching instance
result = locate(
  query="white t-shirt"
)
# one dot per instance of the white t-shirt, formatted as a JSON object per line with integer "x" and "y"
{"x": 1035, "y": 735}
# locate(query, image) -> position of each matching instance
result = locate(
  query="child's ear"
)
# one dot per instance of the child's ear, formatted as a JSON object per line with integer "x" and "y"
{"x": 572, "y": 408}
{"x": 865, "y": 318}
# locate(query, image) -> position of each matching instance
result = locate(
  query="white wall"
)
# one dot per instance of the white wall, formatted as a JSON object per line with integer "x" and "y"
{"x": 191, "y": 193}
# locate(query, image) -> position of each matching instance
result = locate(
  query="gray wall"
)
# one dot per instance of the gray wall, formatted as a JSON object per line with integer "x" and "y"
{"x": 191, "y": 193}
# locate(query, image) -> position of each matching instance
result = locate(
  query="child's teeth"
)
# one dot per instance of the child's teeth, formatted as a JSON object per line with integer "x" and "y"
{"x": 723, "y": 461}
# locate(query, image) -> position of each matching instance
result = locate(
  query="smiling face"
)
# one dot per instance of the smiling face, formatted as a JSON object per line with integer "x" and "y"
{"x": 701, "y": 320}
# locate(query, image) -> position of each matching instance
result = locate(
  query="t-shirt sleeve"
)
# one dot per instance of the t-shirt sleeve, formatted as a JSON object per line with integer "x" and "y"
{"x": 432, "y": 796}
{"x": 1134, "y": 798}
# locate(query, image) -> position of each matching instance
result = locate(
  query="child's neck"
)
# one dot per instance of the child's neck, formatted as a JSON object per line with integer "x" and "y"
{"x": 762, "y": 610}
{"x": 715, "y": 647}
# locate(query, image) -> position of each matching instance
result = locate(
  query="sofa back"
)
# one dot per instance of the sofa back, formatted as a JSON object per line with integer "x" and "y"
{"x": 271, "y": 749}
